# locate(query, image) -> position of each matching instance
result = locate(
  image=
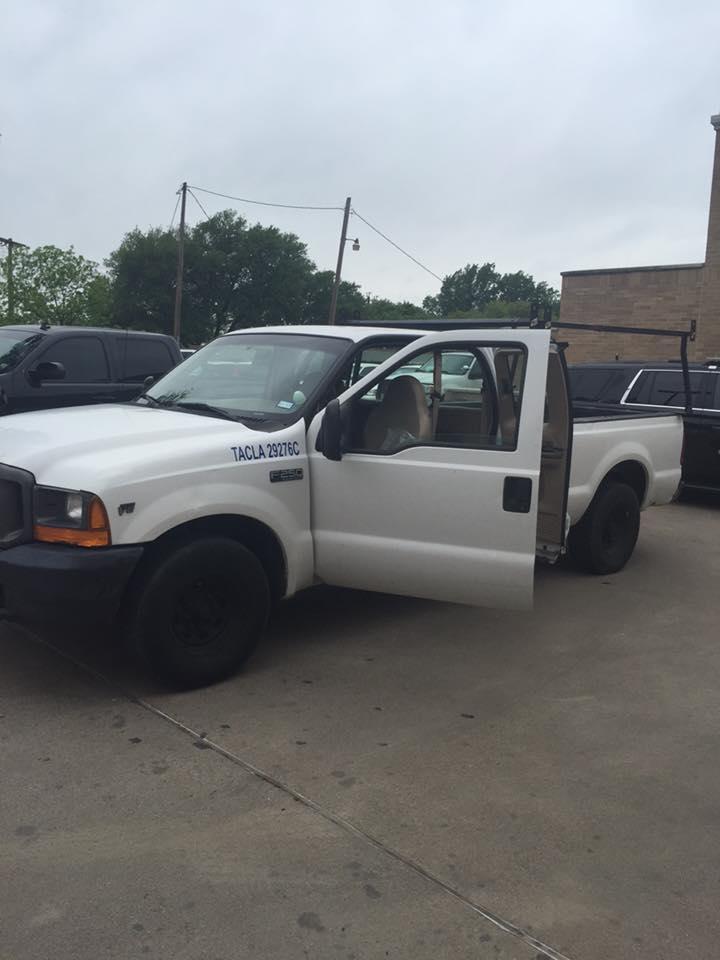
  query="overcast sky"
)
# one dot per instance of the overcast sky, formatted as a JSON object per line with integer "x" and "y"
{"x": 543, "y": 136}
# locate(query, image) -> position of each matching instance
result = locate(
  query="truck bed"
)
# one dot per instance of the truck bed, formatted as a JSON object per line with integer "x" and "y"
{"x": 701, "y": 464}
{"x": 604, "y": 437}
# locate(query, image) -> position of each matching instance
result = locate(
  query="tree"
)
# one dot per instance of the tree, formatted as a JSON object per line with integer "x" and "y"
{"x": 513, "y": 287}
{"x": 235, "y": 276}
{"x": 142, "y": 276}
{"x": 350, "y": 304}
{"x": 480, "y": 291}
{"x": 547, "y": 296}
{"x": 99, "y": 301}
{"x": 273, "y": 278}
{"x": 468, "y": 289}
{"x": 379, "y": 310}
{"x": 54, "y": 286}
{"x": 240, "y": 276}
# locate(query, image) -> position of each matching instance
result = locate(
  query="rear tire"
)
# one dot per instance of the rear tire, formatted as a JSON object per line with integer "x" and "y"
{"x": 197, "y": 614}
{"x": 603, "y": 541}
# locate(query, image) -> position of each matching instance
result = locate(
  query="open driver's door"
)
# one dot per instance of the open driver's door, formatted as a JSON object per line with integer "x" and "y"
{"x": 450, "y": 514}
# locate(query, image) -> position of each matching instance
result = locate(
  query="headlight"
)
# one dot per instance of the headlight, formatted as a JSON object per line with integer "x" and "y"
{"x": 70, "y": 516}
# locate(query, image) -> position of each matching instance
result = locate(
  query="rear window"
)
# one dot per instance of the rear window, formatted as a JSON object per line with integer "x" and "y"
{"x": 141, "y": 357}
{"x": 640, "y": 392}
{"x": 665, "y": 388}
{"x": 595, "y": 384}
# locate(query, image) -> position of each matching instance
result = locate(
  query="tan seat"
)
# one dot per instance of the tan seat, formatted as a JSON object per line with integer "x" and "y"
{"x": 403, "y": 410}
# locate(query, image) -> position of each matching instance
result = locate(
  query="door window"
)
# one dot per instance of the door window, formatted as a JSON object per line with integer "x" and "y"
{"x": 84, "y": 359}
{"x": 14, "y": 346}
{"x": 141, "y": 357}
{"x": 477, "y": 404}
{"x": 365, "y": 361}
{"x": 360, "y": 365}
{"x": 665, "y": 388}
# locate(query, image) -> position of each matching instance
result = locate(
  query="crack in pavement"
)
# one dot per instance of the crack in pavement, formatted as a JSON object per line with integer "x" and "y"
{"x": 545, "y": 951}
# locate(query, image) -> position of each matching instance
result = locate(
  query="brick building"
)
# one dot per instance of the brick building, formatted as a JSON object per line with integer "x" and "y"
{"x": 663, "y": 296}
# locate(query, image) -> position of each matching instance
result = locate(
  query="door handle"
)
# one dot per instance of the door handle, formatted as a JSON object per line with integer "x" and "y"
{"x": 517, "y": 494}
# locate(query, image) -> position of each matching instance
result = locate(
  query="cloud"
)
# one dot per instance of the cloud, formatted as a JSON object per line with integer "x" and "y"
{"x": 541, "y": 136}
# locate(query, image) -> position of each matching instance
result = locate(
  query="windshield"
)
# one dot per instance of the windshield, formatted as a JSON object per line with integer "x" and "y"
{"x": 272, "y": 375}
{"x": 14, "y": 345}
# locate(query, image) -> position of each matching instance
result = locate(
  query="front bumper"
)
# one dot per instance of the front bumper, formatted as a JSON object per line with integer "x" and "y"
{"x": 52, "y": 583}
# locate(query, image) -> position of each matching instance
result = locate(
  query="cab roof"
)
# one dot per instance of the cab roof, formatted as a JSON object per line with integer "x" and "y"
{"x": 341, "y": 332}
{"x": 69, "y": 328}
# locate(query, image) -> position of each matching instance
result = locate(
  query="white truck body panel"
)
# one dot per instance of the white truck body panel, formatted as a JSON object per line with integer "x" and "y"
{"x": 598, "y": 446}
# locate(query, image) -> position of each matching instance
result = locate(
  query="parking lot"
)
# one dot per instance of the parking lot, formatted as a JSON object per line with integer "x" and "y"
{"x": 388, "y": 778}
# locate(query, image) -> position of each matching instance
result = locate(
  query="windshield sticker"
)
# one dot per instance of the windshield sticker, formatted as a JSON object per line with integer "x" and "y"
{"x": 285, "y": 404}
{"x": 266, "y": 451}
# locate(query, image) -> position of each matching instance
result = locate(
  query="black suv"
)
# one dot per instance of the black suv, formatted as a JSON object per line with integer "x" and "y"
{"x": 42, "y": 367}
{"x": 659, "y": 386}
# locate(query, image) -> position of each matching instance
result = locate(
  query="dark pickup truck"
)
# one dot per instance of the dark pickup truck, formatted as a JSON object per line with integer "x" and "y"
{"x": 659, "y": 386}
{"x": 43, "y": 367}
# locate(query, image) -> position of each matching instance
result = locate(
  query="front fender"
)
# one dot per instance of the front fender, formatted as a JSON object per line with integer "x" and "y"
{"x": 144, "y": 510}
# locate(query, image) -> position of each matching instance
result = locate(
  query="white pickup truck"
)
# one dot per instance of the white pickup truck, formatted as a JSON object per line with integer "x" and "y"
{"x": 265, "y": 464}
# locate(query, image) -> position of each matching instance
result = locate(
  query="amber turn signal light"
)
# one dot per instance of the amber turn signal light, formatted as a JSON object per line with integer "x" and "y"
{"x": 96, "y": 534}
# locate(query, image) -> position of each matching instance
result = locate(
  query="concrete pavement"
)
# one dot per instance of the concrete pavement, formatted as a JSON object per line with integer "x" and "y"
{"x": 444, "y": 775}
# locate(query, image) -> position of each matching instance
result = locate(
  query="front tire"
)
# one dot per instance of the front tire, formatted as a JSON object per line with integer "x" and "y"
{"x": 603, "y": 541}
{"x": 199, "y": 611}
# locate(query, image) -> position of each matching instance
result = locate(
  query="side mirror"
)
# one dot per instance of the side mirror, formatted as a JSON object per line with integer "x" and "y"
{"x": 148, "y": 382}
{"x": 47, "y": 370}
{"x": 475, "y": 372}
{"x": 329, "y": 439}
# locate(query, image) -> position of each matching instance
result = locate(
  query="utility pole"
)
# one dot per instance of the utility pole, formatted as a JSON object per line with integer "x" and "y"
{"x": 11, "y": 244}
{"x": 338, "y": 269}
{"x": 180, "y": 264}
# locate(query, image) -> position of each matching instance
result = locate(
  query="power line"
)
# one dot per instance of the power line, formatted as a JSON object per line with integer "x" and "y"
{"x": 300, "y": 206}
{"x": 397, "y": 246}
{"x": 198, "y": 203}
{"x": 263, "y": 203}
{"x": 177, "y": 202}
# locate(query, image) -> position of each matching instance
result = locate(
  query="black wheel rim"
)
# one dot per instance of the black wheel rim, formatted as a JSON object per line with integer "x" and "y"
{"x": 615, "y": 528}
{"x": 201, "y": 613}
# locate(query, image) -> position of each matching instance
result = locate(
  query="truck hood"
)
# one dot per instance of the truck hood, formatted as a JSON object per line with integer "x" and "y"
{"x": 108, "y": 439}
